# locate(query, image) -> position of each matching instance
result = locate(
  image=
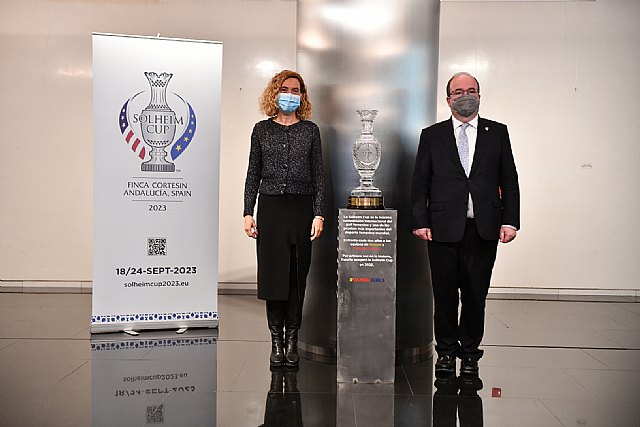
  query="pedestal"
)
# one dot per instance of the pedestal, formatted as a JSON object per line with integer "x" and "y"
{"x": 366, "y": 295}
{"x": 344, "y": 75}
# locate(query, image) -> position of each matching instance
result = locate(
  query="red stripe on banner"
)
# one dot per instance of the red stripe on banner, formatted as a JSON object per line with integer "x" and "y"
{"x": 135, "y": 144}
{"x": 129, "y": 135}
{"x": 142, "y": 153}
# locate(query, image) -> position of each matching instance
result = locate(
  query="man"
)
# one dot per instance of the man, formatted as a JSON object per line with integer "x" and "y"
{"x": 464, "y": 198}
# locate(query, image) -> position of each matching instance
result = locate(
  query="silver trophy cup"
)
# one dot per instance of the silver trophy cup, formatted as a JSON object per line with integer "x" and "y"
{"x": 366, "y": 158}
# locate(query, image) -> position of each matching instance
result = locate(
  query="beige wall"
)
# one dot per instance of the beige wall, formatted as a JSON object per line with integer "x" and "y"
{"x": 560, "y": 74}
{"x": 46, "y": 164}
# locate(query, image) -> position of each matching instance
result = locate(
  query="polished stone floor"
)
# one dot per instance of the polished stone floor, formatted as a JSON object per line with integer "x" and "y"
{"x": 547, "y": 363}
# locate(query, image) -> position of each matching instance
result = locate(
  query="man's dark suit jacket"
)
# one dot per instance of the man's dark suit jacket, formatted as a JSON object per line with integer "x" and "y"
{"x": 440, "y": 190}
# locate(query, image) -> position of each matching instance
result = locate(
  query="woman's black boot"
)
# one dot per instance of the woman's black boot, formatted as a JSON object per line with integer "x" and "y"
{"x": 292, "y": 325}
{"x": 275, "y": 320}
{"x": 291, "y": 357}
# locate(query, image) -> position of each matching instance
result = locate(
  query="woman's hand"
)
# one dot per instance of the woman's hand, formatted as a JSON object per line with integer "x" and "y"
{"x": 250, "y": 226}
{"x": 316, "y": 227}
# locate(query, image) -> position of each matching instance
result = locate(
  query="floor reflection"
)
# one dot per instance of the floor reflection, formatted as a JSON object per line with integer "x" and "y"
{"x": 283, "y": 406}
{"x": 456, "y": 399}
{"x": 158, "y": 378}
{"x": 52, "y": 373}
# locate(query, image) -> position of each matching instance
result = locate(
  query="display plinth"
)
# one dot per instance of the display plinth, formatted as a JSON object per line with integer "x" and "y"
{"x": 366, "y": 338}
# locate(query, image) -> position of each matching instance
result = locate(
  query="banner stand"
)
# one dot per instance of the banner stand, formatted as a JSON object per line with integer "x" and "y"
{"x": 156, "y": 140}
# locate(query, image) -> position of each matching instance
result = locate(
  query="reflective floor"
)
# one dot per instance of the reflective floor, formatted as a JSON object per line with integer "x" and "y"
{"x": 547, "y": 363}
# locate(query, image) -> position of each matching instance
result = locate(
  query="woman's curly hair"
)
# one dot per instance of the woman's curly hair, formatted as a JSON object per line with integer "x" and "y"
{"x": 269, "y": 99}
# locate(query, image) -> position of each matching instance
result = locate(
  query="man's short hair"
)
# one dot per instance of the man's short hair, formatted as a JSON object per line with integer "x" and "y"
{"x": 462, "y": 73}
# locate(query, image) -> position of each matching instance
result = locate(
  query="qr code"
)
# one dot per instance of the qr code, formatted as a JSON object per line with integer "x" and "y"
{"x": 157, "y": 246}
{"x": 155, "y": 414}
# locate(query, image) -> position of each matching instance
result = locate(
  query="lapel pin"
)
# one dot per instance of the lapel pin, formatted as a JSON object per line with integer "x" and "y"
{"x": 486, "y": 128}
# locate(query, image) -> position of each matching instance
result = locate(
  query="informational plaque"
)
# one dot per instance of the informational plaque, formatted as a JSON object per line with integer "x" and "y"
{"x": 366, "y": 295}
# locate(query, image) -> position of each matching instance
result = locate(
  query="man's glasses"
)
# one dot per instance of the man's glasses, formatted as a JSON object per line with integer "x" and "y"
{"x": 460, "y": 92}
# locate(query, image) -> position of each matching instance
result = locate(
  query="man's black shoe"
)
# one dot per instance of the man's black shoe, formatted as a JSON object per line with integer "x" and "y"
{"x": 445, "y": 365}
{"x": 469, "y": 367}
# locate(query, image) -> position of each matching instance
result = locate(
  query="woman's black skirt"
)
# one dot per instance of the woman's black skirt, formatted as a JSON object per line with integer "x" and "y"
{"x": 284, "y": 245}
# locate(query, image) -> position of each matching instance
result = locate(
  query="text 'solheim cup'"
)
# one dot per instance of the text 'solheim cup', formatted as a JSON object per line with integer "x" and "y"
{"x": 366, "y": 158}
{"x": 158, "y": 124}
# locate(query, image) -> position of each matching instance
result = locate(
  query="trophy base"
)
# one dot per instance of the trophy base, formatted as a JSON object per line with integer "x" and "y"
{"x": 365, "y": 202}
{"x": 158, "y": 167}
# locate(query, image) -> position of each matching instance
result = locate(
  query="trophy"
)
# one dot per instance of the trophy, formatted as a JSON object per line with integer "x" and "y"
{"x": 158, "y": 124}
{"x": 366, "y": 158}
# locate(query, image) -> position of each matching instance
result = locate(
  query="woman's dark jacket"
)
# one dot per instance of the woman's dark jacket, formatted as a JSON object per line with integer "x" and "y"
{"x": 284, "y": 160}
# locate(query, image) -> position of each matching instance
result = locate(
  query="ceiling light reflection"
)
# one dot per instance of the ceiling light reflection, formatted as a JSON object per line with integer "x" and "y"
{"x": 82, "y": 73}
{"x": 363, "y": 18}
{"x": 268, "y": 67}
{"x": 313, "y": 39}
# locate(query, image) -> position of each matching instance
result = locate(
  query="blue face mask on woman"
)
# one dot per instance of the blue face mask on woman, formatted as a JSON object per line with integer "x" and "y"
{"x": 288, "y": 102}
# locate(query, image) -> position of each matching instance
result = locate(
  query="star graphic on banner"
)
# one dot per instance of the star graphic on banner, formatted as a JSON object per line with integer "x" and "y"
{"x": 185, "y": 140}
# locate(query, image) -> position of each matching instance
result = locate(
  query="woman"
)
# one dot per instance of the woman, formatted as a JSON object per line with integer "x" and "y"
{"x": 285, "y": 167}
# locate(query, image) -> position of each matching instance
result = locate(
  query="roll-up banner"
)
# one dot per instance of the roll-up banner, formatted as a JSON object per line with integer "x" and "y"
{"x": 156, "y": 137}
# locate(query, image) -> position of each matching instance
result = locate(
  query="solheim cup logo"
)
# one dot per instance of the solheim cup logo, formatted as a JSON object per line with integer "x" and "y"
{"x": 157, "y": 125}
